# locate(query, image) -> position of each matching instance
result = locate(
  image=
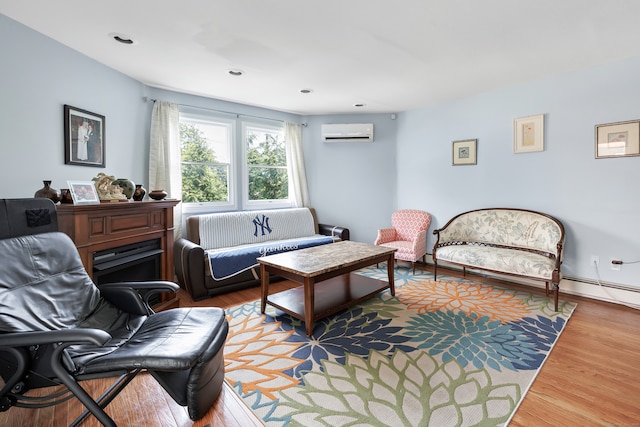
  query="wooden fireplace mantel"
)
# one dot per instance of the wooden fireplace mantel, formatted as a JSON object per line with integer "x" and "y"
{"x": 103, "y": 226}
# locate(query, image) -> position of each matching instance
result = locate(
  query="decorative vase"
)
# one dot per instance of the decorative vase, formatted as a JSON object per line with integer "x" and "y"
{"x": 157, "y": 194}
{"x": 47, "y": 192}
{"x": 65, "y": 196}
{"x": 139, "y": 193}
{"x": 128, "y": 187}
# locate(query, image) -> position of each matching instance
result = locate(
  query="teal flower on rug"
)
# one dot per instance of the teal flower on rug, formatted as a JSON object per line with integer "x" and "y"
{"x": 474, "y": 340}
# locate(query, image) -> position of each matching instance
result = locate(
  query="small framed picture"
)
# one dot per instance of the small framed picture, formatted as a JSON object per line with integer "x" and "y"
{"x": 84, "y": 137}
{"x": 528, "y": 134}
{"x": 83, "y": 192}
{"x": 465, "y": 152}
{"x": 620, "y": 139}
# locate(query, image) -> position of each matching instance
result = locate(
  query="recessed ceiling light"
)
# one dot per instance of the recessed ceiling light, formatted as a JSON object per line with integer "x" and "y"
{"x": 121, "y": 38}
{"x": 359, "y": 105}
{"x": 235, "y": 72}
{"x": 306, "y": 90}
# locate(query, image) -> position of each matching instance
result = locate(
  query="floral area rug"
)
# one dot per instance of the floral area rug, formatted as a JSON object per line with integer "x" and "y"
{"x": 450, "y": 352}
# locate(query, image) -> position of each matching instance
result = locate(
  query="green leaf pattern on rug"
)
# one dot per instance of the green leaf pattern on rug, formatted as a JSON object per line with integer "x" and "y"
{"x": 379, "y": 391}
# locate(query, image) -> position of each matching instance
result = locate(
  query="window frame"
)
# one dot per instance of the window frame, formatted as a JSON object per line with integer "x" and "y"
{"x": 261, "y": 204}
{"x": 215, "y": 206}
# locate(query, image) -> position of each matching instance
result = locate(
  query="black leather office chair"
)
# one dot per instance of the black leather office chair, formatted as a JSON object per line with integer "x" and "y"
{"x": 58, "y": 328}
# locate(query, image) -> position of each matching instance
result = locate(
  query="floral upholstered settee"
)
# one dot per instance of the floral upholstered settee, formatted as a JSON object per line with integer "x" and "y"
{"x": 220, "y": 249}
{"x": 515, "y": 242}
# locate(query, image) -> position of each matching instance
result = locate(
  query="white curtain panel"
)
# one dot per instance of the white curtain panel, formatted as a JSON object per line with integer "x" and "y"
{"x": 164, "y": 156}
{"x": 298, "y": 189}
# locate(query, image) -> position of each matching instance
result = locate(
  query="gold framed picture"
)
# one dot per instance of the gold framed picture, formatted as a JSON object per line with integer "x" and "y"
{"x": 465, "y": 152}
{"x": 620, "y": 139}
{"x": 528, "y": 134}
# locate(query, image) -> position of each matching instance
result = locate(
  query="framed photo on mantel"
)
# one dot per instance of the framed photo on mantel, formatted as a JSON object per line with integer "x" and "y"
{"x": 84, "y": 137}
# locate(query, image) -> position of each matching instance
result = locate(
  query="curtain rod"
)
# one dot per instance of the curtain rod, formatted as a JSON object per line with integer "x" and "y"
{"x": 147, "y": 99}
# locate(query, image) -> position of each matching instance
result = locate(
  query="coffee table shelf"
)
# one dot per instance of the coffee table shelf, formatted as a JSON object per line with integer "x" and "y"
{"x": 331, "y": 296}
{"x": 327, "y": 276}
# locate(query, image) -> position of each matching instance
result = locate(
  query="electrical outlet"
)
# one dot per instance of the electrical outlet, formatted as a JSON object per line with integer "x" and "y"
{"x": 595, "y": 259}
{"x": 616, "y": 264}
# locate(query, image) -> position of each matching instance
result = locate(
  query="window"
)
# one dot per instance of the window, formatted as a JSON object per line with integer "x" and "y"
{"x": 266, "y": 179}
{"x": 212, "y": 178}
{"x": 206, "y": 161}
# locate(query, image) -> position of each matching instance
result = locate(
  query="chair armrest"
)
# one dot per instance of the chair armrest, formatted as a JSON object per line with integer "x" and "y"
{"x": 189, "y": 263}
{"x": 334, "y": 231}
{"x": 385, "y": 235}
{"x": 420, "y": 243}
{"x": 65, "y": 336}
{"x": 133, "y": 297}
{"x": 153, "y": 285}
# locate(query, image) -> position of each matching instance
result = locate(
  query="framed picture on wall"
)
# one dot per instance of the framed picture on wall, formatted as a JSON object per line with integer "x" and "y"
{"x": 618, "y": 139}
{"x": 84, "y": 137}
{"x": 465, "y": 152}
{"x": 528, "y": 134}
{"x": 83, "y": 192}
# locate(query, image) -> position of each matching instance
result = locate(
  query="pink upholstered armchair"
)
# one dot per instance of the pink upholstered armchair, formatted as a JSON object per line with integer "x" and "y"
{"x": 408, "y": 234}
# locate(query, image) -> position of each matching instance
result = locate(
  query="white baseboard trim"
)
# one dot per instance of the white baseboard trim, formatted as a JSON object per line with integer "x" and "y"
{"x": 609, "y": 292}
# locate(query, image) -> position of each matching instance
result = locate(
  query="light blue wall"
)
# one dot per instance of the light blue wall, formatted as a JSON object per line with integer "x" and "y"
{"x": 37, "y": 77}
{"x": 598, "y": 200}
{"x": 352, "y": 184}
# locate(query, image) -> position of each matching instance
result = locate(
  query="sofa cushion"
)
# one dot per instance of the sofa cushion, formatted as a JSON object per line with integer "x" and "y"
{"x": 505, "y": 260}
{"x": 228, "y": 262}
{"x": 225, "y": 230}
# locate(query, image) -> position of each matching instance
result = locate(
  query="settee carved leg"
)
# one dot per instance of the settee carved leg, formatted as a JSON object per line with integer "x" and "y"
{"x": 435, "y": 270}
{"x": 547, "y": 285}
{"x": 556, "y": 291}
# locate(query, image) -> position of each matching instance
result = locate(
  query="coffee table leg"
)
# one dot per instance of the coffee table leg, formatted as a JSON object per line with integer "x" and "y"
{"x": 391, "y": 272}
{"x": 264, "y": 276}
{"x": 309, "y": 296}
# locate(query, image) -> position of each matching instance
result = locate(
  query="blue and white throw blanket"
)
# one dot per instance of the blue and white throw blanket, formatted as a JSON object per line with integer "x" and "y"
{"x": 229, "y": 262}
{"x": 233, "y": 240}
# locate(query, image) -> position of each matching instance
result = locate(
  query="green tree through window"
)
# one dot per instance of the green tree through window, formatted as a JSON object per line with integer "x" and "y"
{"x": 203, "y": 178}
{"x": 267, "y": 165}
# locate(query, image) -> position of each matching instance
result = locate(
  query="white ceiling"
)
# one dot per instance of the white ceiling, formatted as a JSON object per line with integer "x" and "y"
{"x": 389, "y": 55}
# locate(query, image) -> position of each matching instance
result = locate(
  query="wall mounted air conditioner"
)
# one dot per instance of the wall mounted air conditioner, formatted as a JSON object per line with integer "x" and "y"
{"x": 347, "y": 132}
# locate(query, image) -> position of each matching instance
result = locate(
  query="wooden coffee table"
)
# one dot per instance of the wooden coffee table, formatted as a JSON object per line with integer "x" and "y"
{"x": 331, "y": 264}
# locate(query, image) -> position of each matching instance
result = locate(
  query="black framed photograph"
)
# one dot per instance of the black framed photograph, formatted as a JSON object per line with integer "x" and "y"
{"x": 84, "y": 137}
{"x": 465, "y": 152}
{"x": 83, "y": 192}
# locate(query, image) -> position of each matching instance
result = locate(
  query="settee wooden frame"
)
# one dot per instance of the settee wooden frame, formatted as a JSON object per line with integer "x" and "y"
{"x": 557, "y": 256}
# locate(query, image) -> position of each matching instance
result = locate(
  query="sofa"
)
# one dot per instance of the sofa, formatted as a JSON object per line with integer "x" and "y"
{"x": 219, "y": 251}
{"x": 514, "y": 242}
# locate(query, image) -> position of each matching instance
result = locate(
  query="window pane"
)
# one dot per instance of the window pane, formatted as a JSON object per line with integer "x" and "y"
{"x": 205, "y": 157}
{"x": 265, "y": 147}
{"x": 204, "y": 183}
{"x": 266, "y": 164}
{"x": 268, "y": 183}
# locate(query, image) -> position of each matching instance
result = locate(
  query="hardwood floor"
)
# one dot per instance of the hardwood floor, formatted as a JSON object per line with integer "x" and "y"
{"x": 590, "y": 378}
